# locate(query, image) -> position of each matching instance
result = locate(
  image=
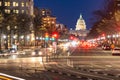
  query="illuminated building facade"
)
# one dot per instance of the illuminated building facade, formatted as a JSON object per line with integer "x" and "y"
{"x": 80, "y": 30}
{"x": 45, "y": 12}
{"x": 80, "y": 24}
{"x": 17, "y": 6}
{"x": 48, "y": 21}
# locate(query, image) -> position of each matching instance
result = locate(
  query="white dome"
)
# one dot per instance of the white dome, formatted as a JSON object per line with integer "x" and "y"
{"x": 80, "y": 25}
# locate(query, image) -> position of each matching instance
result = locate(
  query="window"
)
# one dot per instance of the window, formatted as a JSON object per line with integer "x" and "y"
{"x": 16, "y": 11}
{"x": 0, "y": 3}
{"x": 26, "y": 11}
{"x": 26, "y": 4}
{"x": 8, "y": 27}
{"x": 15, "y": 3}
{"x": 23, "y": 11}
{"x": 7, "y": 11}
{"x": 43, "y": 12}
{"x": 15, "y": 27}
{"x": 7, "y": 3}
{"x": 22, "y": 4}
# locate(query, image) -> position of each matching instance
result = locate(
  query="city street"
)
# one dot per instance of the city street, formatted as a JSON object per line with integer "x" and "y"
{"x": 60, "y": 40}
{"x": 95, "y": 64}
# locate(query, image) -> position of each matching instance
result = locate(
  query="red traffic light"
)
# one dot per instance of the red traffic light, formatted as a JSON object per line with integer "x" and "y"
{"x": 55, "y": 34}
{"x": 71, "y": 37}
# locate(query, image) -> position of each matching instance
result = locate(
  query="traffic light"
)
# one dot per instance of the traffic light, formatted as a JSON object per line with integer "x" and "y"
{"x": 55, "y": 35}
{"x": 53, "y": 39}
{"x": 46, "y": 36}
{"x": 71, "y": 37}
{"x": 103, "y": 34}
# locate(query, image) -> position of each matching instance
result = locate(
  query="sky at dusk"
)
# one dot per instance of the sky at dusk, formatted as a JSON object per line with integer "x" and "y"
{"x": 68, "y": 11}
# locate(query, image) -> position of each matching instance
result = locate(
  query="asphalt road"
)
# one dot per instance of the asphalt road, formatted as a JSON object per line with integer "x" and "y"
{"x": 82, "y": 64}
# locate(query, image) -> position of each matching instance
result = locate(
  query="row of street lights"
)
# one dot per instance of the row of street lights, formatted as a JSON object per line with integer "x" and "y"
{"x": 23, "y": 40}
{"x": 109, "y": 38}
{"x": 13, "y": 40}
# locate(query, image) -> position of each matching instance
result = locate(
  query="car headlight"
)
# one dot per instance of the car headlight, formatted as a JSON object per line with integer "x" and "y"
{"x": 40, "y": 53}
{"x": 33, "y": 53}
{"x": 13, "y": 51}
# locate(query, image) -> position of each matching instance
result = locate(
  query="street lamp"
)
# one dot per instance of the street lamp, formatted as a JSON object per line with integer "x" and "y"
{"x": 4, "y": 36}
{"x": 14, "y": 37}
{"x": 28, "y": 37}
{"x": 22, "y": 37}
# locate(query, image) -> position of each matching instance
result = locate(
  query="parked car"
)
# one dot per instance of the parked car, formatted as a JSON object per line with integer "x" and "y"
{"x": 116, "y": 51}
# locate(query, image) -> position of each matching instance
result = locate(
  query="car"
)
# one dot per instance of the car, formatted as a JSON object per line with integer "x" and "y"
{"x": 3, "y": 52}
{"x": 106, "y": 47}
{"x": 37, "y": 52}
{"x": 13, "y": 51}
{"x": 116, "y": 51}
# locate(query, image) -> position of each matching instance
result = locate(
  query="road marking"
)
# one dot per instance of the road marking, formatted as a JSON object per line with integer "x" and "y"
{"x": 2, "y": 77}
{"x": 9, "y": 77}
{"x": 99, "y": 57}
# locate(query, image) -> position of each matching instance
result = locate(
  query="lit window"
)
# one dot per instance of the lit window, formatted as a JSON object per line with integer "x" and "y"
{"x": 8, "y": 27}
{"x": 16, "y": 11}
{"x": 26, "y": 11}
{"x": 7, "y": 11}
{"x": 15, "y": 27}
{"x": 26, "y": 4}
{"x": 23, "y": 11}
{"x": 13, "y": 11}
{"x": 22, "y": 4}
{"x": 7, "y": 3}
{"x": 15, "y": 3}
{"x": 0, "y": 3}
{"x": 43, "y": 12}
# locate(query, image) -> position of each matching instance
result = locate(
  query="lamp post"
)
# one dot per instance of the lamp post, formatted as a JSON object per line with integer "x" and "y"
{"x": 1, "y": 20}
{"x": 5, "y": 41}
{"x": 46, "y": 44}
{"x": 22, "y": 41}
{"x": 28, "y": 39}
{"x": 0, "y": 36}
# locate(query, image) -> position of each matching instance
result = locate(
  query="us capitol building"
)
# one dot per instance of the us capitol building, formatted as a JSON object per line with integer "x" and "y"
{"x": 80, "y": 30}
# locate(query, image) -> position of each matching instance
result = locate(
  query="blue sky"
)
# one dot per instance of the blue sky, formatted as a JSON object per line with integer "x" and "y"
{"x": 68, "y": 11}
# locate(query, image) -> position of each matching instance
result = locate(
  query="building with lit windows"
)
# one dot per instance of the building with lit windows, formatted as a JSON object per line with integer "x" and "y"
{"x": 13, "y": 35}
{"x": 45, "y": 12}
{"x": 47, "y": 24}
{"x": 48, "y": 21}
{"x": 80, "y": 30}
{"x": 17, "y": 6}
